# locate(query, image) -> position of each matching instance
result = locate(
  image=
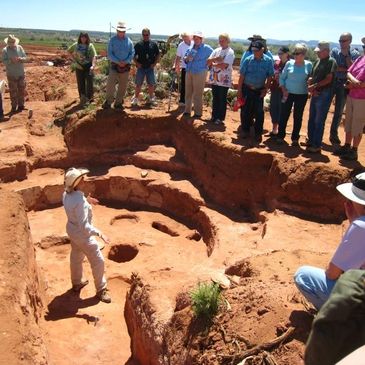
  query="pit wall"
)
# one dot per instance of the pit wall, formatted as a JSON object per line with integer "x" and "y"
{"x": 21, "y": 291}
{"x": 229, "y": 174}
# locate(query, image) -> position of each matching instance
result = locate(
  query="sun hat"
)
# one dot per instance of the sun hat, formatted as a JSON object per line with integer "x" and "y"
{"x": 354, "y": 190}
{"x": 257, "y": 45}
{"x": 121, "y": 27}
{"x": 283, "y": 49}
{"x": 11, "y": 39}
{"x": 322, "y": 46}
{"x": 73, "y": 177}
{"x": 198, "y": 34}
{"x": 256, "y": 37}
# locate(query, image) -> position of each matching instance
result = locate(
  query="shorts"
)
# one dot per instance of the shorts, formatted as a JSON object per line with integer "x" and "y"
{"x": 149, "y": 73}
{"x": 355, "y": 116}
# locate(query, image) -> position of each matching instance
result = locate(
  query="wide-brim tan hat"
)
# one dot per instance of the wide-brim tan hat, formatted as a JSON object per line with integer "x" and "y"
{"x": 11, "y": 39}
{"x": 355, "y": 190}
{"x": 73, "y": 177}
{"x": 121, "y": 27}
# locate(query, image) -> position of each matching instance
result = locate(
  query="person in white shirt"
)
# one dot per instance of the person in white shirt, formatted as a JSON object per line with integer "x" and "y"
{"x": 81, "y": 232}
{"x": 220, "y": 77}
{"x": 180, "y": 65}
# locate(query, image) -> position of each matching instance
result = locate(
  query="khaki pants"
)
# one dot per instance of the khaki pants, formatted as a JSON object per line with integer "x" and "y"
{"x": 90, "y": 249}
{"x": 17, "y": 90}
{"x": 116, "y": 78}
{"x": 194, "y": 88}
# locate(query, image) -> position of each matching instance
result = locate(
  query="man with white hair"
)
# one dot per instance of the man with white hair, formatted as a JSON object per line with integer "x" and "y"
{"x": 196, "y": 74}
{"x": 180, "y": 65}
{"x": 120, "y": 55}
{"x": 13, "y": 58}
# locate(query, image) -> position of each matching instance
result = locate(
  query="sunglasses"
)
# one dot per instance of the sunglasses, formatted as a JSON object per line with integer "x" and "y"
{"x": 343, "y": 40}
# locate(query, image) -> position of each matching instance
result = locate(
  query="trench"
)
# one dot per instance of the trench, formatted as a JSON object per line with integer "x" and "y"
{"x": 180, "y": 207}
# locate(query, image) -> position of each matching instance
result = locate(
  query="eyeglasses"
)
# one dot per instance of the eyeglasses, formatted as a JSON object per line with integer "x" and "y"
{"x": 343, "y": 40}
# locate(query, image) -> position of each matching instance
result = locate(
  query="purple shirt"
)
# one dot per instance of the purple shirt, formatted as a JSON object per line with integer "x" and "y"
{"x": 357, "y": 69}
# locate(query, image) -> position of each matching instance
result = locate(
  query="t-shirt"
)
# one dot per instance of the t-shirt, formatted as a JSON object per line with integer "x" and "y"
{"x": 350, "y": 254}
{"x": 357, "y": 69}
{"x": 218, "y": 76}
{"x": 181, "y": 51}
{"x": 341, "y": 62}
{"x": 14, "y": 69}
{"x": 294, "y": 77}
{"x": 146, "y": 53}
{"x": 83, "y": 54}
{"x": 322, "y": 68}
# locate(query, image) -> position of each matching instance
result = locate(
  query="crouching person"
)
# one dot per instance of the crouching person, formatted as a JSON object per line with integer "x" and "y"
{"x": 316, "y": 284}
{"x": 81, "y": 232}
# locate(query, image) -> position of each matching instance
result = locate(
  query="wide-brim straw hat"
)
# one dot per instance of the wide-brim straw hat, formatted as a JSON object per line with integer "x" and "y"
{"x": 11, "y": 39}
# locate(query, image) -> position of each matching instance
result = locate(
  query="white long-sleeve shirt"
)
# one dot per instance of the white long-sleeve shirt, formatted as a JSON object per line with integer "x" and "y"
{"x": 79, "y": 216}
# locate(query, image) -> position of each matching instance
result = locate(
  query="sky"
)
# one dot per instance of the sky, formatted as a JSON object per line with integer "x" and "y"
{"x": 277, "y": 19}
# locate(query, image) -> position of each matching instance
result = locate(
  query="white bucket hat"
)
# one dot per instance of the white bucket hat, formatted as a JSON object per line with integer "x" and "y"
{"x": 355, "y": 190}
{"x": 11, "y": 40}
{"x": 73, "y": 177}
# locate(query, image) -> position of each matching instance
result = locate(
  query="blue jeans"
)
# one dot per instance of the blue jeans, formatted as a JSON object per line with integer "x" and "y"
{"x": 314, "y": 285}
{"x": 149, "y": 73}
{"x": 219, "y": 106}
{"x": 318, "y": 111}
{"x": 299, "y": 101}
{"x": 275, "y": 105}
{"x": 253, "y": 109}
{"x": 340, "y": 94}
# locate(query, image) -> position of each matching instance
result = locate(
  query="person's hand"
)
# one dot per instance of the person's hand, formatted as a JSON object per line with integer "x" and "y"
{"x": 92, "y": 200}
{"x": 105, "y": 238}
{"x": 350, "y": 211}
{"x": 219, "y": 59}
{"x": 138, "y": 65}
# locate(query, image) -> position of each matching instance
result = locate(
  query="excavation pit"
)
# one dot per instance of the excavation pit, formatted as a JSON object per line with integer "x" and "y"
{"x": 122, "y": 253}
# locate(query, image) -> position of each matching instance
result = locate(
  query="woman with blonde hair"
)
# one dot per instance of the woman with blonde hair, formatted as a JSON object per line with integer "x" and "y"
{"x": 220, "y": 63}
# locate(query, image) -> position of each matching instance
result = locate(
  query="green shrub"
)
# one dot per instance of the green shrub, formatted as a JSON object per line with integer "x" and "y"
{"x": 206, "y": 299}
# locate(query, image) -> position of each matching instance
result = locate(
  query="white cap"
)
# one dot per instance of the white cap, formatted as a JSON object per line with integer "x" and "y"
{"x": 73, "y": 177}
{"x": 198, "y": 33}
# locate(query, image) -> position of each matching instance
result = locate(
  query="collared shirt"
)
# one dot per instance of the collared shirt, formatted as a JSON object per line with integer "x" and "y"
{"x": 200, "y": 55}
{"x": 79, "y": 216}
{"x": 294, "y": 77}
{"x": 341, "y": 61}
{"x": 322, "y": 68}
{"x": 14, "y": 69}
{"x": 181, "y": 51}
{"x": 256, "y": 71}
{"x": 120, "y": 49}
{"x": 146, "y": 53}
{"x": 250, "y": 53}
{"x": 357, "y": 69}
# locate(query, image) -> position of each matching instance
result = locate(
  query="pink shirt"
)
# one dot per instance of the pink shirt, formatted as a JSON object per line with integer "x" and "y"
{"x": 357, "y": 69}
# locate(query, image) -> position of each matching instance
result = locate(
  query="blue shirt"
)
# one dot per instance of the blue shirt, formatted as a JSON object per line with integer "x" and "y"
{"x": 250, "y": 53}
{"x": 294, "y": 78}
{"x": 120, "y": 49}
{"x": 340, "y": 58}
{"x": 256, "y": 71}
{"x": 200, "y": 56}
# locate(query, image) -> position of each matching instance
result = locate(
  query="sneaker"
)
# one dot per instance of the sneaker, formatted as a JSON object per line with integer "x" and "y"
{"x": 118, "y": 106}
{"x": 104, "y": 296}
{"x": 335, "y": 140}
{"x": 134, "y": 101}
{"x": 312, "y": 149}
{"x": 351, "y": 155}
{"x": 78, "y": 287}
{"x": 295, "y": 143}
{"x": 152, "y": 101}
{"x": 106, "y": 105}
{"x": 342, "y": 150}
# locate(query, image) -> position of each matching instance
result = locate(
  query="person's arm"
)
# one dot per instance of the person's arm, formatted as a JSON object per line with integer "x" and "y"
{"x": 354, "y": 82}
{"x": 240, "y": 84}
{"x": 111, "y": 55}
{"x": 92, "y": 56}
{"x": 157, "y": 57}
{"x": 82, "y": 216}
{"x": 269, "y": 79}
{"x": 282, "y": 80}
{"x": 23, "y": 56}
{"x": 5, "y": 58}
{"x": 333, "y": 272}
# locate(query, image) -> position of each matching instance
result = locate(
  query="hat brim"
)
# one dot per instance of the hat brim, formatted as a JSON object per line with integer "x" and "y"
{"x": 16, "y": 41}
{"x": 346, "y": 191}
{"x": 198, "y": 35}
{"x": 256, "y": 39}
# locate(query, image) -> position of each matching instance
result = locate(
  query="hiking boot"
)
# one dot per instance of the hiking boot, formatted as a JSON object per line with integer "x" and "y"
{"x": 78, "y": 287}
{"x": 134, "y": 101}
{"x": 106, "y": 105}
{"x": 104, "y": 296}
{"x": 351, "y": 155}
{"x": 118, "y": 106}
{"x": 335, "y": 140}
{"x": 342, "y": 150}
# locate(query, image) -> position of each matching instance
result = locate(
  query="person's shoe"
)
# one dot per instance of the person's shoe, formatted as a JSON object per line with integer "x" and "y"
{"x": 20, "y": 108}
{"x": 280, "y": 141}
{"x": 342, "y": 150}
{"x": 118, "y": 106}
{"x": 312, "y": 149}
{"x": 104, "y": 296}
{"x": 78, "y": 287}
{"x": 244, "y": 134}
{"x": 295, "y": 143}
{"x": 273, "y": 134}
{"x": 186, "y": 115}
{"x": 335, "y": 140}
{"x": 152, "y": 101}
{"x": 218, "y": 122}
{"x": 197, "y": 116}
{"x": 106, "y": 105}
{"x": 258, "y": 138}
{"x": 351, "y": 155}
{"x": 134, "y": 101}
{"x": 13, "y": 110}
